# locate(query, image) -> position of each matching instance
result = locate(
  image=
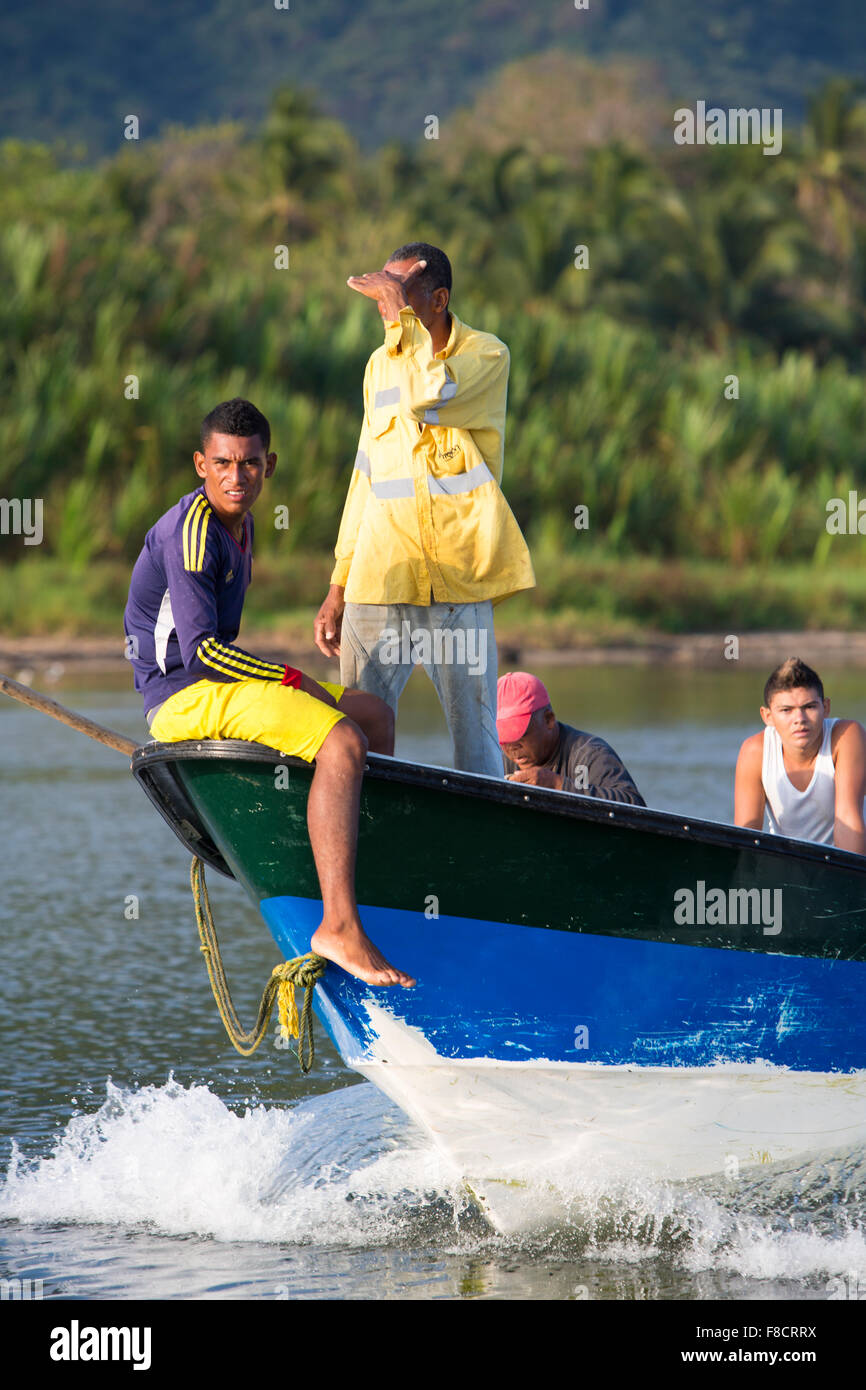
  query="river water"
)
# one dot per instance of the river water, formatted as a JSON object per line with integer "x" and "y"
{"x": 143, "y": 1158}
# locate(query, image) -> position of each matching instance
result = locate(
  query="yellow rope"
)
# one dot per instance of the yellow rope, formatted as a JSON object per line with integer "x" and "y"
{"x": 303, "y": 971}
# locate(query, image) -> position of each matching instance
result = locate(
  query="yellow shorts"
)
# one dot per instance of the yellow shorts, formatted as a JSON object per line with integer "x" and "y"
{"x": 254, "y": 710}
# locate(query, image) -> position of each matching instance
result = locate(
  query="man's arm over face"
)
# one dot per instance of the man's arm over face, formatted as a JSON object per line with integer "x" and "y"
{"x": 849, "y": 831}
{"x": 749, "y": 798}
{"x": 467, "y": 390}
{"x": 192, "y": 580}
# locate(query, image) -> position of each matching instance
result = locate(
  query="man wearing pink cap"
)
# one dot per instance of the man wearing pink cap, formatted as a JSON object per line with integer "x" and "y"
{"x": 538, "y": 749}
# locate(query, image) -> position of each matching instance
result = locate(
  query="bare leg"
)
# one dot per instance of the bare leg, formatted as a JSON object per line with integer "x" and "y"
{"x": 332, "y": 819}
{"x": 373, "y": 717}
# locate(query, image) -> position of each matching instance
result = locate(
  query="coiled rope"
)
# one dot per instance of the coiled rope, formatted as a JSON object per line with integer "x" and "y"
{"x": 304, "y": 971}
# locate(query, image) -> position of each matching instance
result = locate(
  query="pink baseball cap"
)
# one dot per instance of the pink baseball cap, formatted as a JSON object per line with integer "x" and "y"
{"x": 518, "y": 696}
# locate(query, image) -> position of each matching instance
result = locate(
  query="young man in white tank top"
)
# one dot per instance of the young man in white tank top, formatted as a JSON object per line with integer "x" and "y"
{"x": 806, "y": 771}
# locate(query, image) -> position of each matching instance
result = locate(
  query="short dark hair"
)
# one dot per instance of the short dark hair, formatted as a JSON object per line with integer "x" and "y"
{"x": 793, "y": 674}
{"x": 237, "y": 417}
{"x": 436, "y": 273}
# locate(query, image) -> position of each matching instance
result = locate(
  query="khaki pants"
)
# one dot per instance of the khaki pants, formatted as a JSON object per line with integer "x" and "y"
{"x": 456, "y": 645}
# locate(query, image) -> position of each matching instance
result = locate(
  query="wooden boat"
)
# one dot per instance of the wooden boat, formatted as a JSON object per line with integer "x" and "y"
{"x": 569, "y": 1019}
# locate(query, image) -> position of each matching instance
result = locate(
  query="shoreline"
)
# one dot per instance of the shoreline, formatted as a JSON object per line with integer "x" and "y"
{"x": 58, "y": 656}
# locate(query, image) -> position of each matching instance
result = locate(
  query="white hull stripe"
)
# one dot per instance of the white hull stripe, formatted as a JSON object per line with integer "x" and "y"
{"x": 163, "y": 629}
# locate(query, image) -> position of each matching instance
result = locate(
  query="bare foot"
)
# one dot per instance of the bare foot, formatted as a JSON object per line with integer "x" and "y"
{"x": 350, "y": 947}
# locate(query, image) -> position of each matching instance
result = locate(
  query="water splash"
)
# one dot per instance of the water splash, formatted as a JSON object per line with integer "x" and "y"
{"x": 177, "y": 1160}
{"x": 348, "y": 1170}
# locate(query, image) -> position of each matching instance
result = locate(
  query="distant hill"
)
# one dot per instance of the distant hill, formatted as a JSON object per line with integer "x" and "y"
{"x": 73, "y": 71}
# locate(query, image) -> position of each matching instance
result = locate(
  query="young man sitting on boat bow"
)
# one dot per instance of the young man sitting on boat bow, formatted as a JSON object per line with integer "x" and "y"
{"x": 181, "y": 621}
{"x": 805, "y": 770}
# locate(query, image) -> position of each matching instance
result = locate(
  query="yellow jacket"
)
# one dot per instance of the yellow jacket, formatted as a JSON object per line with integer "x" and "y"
{"x": 424, "y": 519}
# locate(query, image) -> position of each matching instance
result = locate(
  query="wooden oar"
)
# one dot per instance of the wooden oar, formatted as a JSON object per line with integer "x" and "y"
{"x": 16, "y": 691}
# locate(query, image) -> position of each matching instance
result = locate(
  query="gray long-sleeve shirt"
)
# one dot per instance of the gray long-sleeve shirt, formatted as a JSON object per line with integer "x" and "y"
{"x": 587, "y": 764}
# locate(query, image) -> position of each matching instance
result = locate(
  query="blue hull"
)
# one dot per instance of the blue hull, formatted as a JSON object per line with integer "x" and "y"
{"x": 513, "y": 993}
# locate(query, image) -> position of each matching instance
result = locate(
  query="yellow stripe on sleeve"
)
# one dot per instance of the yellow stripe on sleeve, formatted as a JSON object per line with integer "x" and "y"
{"x": 207, "y": 660}
{"x": 250, "y": 663}
{"x": 189, "y": 527}
{"x": 206, "y": 514}
{"x": 231, "y": 663}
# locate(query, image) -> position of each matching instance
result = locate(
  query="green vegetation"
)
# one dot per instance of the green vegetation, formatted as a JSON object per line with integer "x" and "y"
{"x": 704, "y": 264}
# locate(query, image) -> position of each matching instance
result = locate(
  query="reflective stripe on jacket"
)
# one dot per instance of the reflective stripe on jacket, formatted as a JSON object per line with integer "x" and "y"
{"x": 425, "y": 520}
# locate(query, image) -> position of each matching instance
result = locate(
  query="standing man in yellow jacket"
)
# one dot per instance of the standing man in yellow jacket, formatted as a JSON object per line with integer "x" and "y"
{"x": 427, "y": 543}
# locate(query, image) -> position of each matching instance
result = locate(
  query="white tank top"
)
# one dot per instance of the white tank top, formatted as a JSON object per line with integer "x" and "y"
{"x": 807, "y": 815}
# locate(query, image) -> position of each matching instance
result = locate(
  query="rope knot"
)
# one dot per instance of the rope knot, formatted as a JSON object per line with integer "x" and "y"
{"x": 304, "y": 971}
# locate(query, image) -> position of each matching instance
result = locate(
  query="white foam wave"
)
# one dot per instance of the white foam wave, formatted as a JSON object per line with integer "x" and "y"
{"x": 348, "y": 1169}
{"x": 178, "y": 1161}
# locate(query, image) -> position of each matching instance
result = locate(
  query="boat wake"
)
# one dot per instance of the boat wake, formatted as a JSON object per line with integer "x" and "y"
{"x": 348, "y": 1170}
